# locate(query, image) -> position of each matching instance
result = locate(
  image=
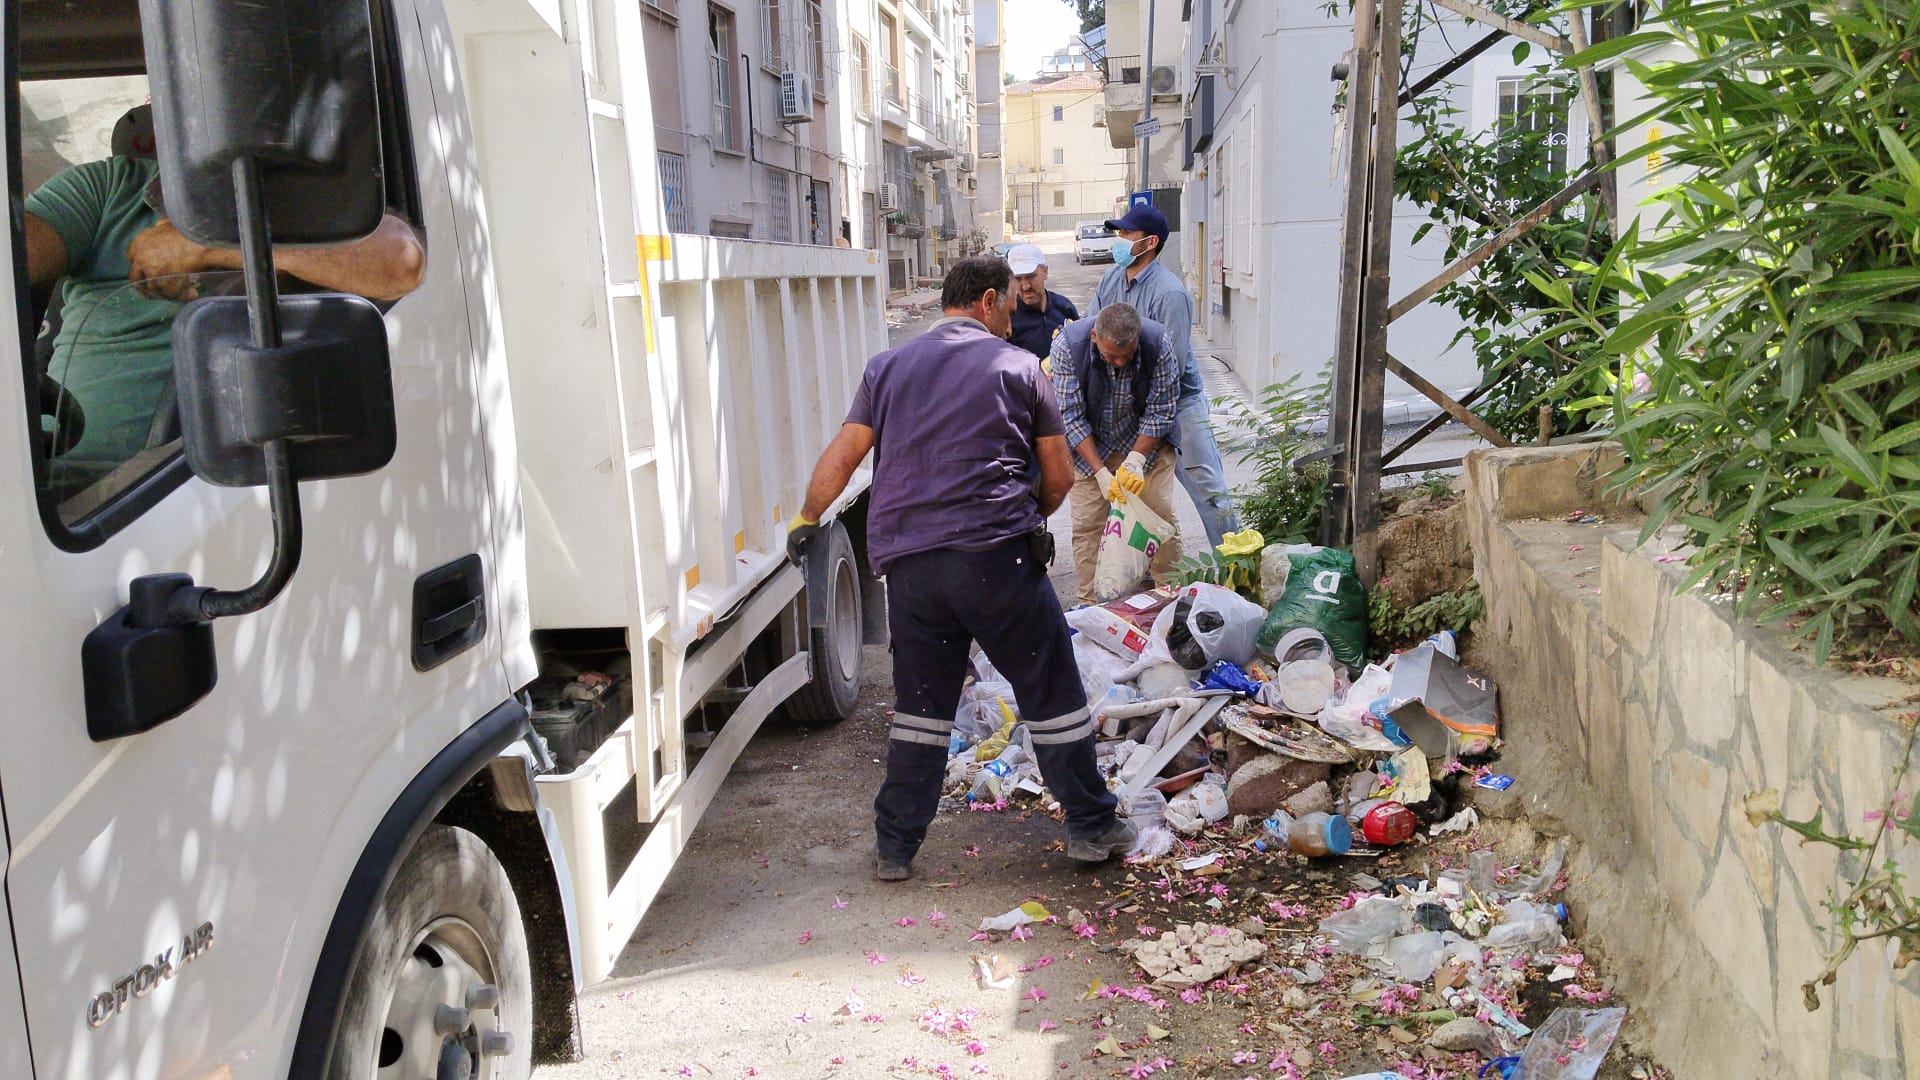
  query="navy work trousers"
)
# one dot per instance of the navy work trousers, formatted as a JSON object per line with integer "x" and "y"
{"x": 940, "y": 603}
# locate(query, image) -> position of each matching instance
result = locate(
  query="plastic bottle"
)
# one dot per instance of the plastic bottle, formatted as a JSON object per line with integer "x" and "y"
{"x": 1275, "y": 831}
{"x": 1527, "y": 926}
{"x": 1319, "y": 834}
{"x": 1482, "y": 865}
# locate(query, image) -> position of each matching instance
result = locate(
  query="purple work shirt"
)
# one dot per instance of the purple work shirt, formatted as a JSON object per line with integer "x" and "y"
{"x": 955, "y": 414}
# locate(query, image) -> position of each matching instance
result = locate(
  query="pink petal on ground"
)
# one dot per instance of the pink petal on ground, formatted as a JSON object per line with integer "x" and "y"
{"x": 1021, "y": 933}
{"x": 806, "y": 936}
{"x": 906, "y": 920}
{"x": 876, "y": 957}
{"x": 1048, "y": 1025}
{"x": 838, "y": 903}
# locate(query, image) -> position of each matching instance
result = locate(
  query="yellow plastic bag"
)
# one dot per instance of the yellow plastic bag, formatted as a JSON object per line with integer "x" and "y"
{"x": 992, "y": 746}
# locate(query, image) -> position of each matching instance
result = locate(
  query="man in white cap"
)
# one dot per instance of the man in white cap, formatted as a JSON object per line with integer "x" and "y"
{"x": 1037, "y": 313}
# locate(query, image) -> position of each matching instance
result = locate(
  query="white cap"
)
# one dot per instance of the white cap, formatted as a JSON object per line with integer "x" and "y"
{"x": 1025, "y": 259}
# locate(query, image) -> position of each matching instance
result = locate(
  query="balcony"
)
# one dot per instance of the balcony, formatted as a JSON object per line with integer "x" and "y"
{"x": 1125, "y": 98}
{"x": 893, "y": 97}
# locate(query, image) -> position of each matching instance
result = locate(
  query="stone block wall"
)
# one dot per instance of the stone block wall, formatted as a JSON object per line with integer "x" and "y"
{"x": 1637, "y": 720}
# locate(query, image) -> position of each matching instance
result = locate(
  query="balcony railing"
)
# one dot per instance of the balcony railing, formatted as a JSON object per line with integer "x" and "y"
{"x": 895, "y": 90}
{"x": 923, "y": 110}
{"x": 1123, "y": 69}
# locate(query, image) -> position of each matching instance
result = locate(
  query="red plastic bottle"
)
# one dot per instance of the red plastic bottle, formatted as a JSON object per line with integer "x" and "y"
{"x": 1388, "y": 824}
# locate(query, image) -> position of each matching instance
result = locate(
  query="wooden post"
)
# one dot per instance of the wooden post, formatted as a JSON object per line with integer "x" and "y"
{"x": 1336, "y": 520}
{"x": 1370, "y": 393}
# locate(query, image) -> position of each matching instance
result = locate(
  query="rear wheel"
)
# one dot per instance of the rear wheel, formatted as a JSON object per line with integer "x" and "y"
{"x": 441, "y": 986}
{"x": 837, "y": 646}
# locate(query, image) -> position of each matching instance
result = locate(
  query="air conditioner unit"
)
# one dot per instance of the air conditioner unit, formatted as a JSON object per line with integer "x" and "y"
{"x": 796, "y": 97}
{"x": 1165, "y": 78}
{"x": 966, "y": 162}
{"x": 890, "y": 197}
{"x": 972, "y": 184}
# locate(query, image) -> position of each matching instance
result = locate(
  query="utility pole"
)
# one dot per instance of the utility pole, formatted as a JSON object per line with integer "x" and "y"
{"x": 1146, "y": 87}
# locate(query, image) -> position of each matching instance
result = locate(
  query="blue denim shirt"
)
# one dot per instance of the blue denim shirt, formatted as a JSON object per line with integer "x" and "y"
{"x": 1159, "y": 295}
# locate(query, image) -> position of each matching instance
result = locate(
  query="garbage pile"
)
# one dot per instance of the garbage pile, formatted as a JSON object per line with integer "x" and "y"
{"x": 1240, "y": 732}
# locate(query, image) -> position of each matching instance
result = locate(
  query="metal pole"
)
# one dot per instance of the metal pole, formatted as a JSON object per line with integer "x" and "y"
{"x": 1146, "y": 85}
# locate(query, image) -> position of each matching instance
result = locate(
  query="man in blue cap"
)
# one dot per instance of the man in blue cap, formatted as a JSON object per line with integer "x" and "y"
{"x": 1038, "y": 313}
{"x": 1137, "y": 278}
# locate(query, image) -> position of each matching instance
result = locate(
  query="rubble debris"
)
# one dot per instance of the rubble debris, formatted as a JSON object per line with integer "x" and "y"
{"x": 1192, "y": 954}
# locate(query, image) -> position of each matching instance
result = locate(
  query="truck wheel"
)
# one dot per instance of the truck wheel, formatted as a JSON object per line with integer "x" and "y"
{"x": 441, "y": 985}
{"x": 837, "y": 646}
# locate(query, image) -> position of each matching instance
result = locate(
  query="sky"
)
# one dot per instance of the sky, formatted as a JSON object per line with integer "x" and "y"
{"x": 1037, "y": 28}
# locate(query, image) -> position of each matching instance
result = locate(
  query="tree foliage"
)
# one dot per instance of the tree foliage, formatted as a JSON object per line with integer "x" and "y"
{"x": 1766, "y": 310}
{"x": 1092, "y": 12}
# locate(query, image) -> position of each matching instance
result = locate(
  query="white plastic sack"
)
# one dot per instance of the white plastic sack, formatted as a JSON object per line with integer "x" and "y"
{"x": 1234, "y": 620}
{"x": 1348, "y": 719}
{"x": 1198, "y": 806}
{"x": 1099, "y": 667}
{"x": 1132, "y": 538}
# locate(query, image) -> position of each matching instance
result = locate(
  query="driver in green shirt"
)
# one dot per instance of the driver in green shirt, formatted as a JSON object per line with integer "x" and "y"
{"x": 100, "y": 228}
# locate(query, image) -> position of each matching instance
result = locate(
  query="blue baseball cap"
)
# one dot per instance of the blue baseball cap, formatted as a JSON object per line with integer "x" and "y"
{"x": 1146, "y": 219}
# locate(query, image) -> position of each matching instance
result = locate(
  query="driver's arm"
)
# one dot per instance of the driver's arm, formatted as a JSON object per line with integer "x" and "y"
{"x": 46, "y": 252}
{"x": 384, "y": 266}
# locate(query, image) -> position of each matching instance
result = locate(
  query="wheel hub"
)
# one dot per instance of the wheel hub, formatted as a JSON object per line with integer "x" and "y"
{"x": 443, "y": 1022}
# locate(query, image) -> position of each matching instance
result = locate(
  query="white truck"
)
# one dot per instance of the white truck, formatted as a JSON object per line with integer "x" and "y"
{"x": 385, "y": 811}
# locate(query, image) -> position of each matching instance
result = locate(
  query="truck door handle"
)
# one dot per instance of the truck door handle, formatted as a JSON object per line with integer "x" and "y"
{"x": 449, "y": 611}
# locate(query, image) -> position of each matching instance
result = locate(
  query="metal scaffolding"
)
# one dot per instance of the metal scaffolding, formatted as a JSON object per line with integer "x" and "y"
{"x": 1375, "y": 95}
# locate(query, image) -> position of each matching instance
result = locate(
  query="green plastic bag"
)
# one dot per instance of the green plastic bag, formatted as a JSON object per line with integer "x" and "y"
{"x": 1323, "y": 592}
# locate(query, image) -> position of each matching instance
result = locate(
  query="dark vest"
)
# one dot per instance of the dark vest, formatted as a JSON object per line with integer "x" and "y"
{"x": 1096, "y": 375}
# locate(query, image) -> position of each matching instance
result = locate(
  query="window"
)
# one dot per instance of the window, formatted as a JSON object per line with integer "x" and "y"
{"x": 1538, "y": 110}
{"x": 779, "y": 206}
{"x": 1059, "y": 155}
{"x": 862, "y": 77}
{"x": 720, "y": 65}
{"x": 1059, "y": 113}
{"x": 1059, "y": 197}
{"x": 98, "y": 349}
{"x": 673, "y": 190}
{"x": 771, "y": 45}
{"x": 817, "y": 48}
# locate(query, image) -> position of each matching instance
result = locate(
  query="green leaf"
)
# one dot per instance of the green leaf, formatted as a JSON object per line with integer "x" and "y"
{"x": 1850, "y": 460}
{"x": 1521, "y": 50}
{"x": 1879, "y": 370}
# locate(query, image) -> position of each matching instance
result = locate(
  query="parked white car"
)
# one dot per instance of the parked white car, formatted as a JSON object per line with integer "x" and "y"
{"x": 1093, "y": 242}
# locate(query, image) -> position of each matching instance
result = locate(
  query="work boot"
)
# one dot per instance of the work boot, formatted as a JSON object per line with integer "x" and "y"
{"x": 886, "y": 869}
{"x": 1118, "y": 838}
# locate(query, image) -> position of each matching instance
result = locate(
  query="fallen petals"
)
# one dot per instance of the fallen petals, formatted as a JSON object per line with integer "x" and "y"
{"x": 1036, "y": 994}
{"x": 906, "y": 920}
{"x": 838, "y": 903}
{"x": 806, "y": 936}
{"x": 803, "y": 1018}
{"x": 1048, "y": 1025}
{"x": 874, "y": 957}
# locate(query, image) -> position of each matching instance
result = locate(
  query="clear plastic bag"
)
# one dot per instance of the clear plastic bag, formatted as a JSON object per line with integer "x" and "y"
{"x": 1368, "y": 923}
{"x": 1222, "y": 623}
{"x": 1417, "y": 956}
{"x": 1524, "y": 926}
{"x": 1571, "y": 1044}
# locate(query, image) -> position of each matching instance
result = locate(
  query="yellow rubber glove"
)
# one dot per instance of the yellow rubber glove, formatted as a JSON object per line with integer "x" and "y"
{"x": 800, "y": 532}
{"x": 1131, "y": 479}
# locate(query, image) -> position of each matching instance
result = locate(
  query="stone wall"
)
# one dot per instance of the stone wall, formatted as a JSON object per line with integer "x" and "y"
{"x": 1637, "y": 719}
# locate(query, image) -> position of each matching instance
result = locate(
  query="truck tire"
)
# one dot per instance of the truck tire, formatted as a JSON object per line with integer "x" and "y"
{"x": 441, "y": 984}
{"x": 838, "y": 645}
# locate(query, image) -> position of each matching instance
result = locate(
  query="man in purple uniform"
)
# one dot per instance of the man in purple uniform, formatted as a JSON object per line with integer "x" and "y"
{"x": 970, "y": 458}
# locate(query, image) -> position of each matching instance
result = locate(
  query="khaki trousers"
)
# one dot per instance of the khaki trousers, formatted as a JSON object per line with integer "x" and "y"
{"x": 1089, "y": 505}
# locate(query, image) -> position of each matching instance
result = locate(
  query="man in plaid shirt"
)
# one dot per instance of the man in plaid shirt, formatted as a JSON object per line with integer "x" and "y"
{"x": 1119, "y": 393}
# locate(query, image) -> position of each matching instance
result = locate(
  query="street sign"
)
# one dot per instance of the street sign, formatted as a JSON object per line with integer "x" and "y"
{"x": 1146, "y": 129}
{"x": 1139, "y": 198}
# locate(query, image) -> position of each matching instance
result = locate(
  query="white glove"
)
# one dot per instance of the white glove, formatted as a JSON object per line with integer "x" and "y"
{"x": 1104, "y": 481}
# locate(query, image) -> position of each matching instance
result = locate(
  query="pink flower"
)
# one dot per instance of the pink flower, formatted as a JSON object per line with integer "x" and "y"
{"x": 1191, "y": 995}
{"x": 874, "y": 957}
{"x": 684, "y": 1070}
{"x": 975, "y": 1047}
{"x": 971, "y": 852}
{"x": 936, "y": 916}
{"x": 1045, "y": 961}
{"x": 1021, "y": 933}
{"x": 979, "y": 1068}
{"x": 1247, "y": 1057}
{"x": 803, "y": 1018}
{"x": 908, "y": 978}
{"x": 806, "y": 936}
{"x": 1248, "y": 1029}
{"x": 836, "y": 1060}
{"x": 1048, "y": 1025}
{"x": 1219, "y": 890}
{"x": 1036, "y": 994}
{"x": 838, "y": 903}
{"x": 1328, "y": 1050}
{"x": 1289, "y": 911}
{"x": 980, "y": 935}
{"x": 853, "y": 1003}
{"x": 906, "y": 920}
{"x": 1084, "y": 930}
{"x": 1146, "y": 931}
{"x": 873, "y": 1018}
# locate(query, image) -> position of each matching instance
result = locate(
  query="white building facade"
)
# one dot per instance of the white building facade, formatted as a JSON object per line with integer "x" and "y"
{"x": 1263, "y": 160}
{"x": 819, "y": 122}
{"x": 989, "y": 21}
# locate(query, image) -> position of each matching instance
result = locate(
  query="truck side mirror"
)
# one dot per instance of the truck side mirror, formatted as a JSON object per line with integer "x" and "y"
{"x": 288, "y": 84}
{"x": 267, "y": 132}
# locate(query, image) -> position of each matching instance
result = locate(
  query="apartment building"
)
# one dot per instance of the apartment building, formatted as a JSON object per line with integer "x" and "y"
{"x": 1139, "y": 58}
{"x": 989, "y": 19}
{"x": 1262, "y": 156}
{"x": 818, "y": 122}
{"x": 1060, "y": 168}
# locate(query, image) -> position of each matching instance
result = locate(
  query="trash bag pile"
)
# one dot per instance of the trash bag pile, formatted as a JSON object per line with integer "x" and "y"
{"x": 1238, "y": 732}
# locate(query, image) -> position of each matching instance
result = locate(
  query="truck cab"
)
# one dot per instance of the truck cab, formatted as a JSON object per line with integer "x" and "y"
{"x": 517, "y": 564}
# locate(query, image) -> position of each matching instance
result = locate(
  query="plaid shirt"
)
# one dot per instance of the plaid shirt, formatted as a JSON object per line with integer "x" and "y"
{"x": 1111, "y": 423}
